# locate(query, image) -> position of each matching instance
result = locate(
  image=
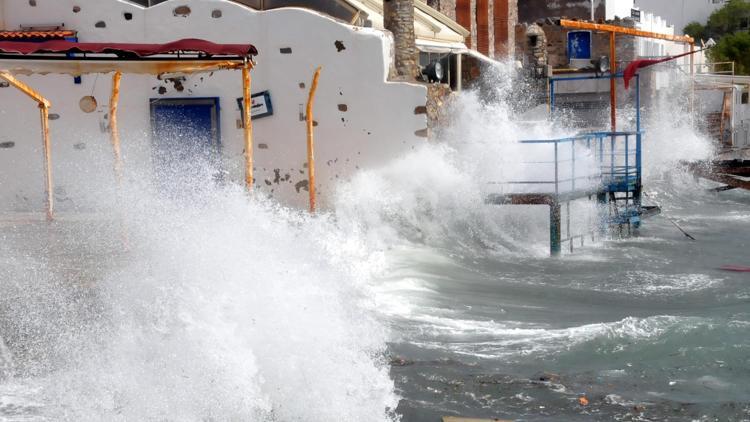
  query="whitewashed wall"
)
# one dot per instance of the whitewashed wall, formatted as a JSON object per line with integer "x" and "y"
{"x": 681, "y": 12}
{"x": 379, "y": 122}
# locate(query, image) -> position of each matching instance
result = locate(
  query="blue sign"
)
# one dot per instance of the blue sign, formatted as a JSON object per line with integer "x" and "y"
{"x": 579, "y": 45}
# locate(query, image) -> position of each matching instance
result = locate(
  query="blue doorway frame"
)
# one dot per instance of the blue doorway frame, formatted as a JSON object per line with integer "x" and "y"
{"x": 185, "y": 132}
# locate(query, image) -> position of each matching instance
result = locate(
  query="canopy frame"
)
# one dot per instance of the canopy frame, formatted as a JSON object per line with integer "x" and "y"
{"x": 127, "y": 62}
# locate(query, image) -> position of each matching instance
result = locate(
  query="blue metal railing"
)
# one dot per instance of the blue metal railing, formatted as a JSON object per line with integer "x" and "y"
{"x": 614, "y": 156}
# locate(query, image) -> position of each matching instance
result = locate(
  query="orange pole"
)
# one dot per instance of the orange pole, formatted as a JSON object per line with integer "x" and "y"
{"x": 310, "y": 140}
{"x": 567, "y": 23}
{"x": 612, "y": 81}
{"x": 44, "y": 106}
{"x": 44, "y": 114}
{"x": 25, "y": 89}
{"x": 248, "y": 126}
{"x": 113, "y": 130}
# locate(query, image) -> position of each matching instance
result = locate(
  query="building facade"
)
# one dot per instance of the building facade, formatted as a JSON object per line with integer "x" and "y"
{"x": 679, "y": 13}
{"x": 490, "y": 22}
{"x": 362, "y": 119}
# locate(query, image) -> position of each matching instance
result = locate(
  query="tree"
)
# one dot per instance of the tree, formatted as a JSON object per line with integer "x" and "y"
{"x": 729, "y": 19}
{"x": 398, "y": 16}
{"x": 695, "y": 30}
{"x": 728, "y": 26}
{"x": 735, "y": 48}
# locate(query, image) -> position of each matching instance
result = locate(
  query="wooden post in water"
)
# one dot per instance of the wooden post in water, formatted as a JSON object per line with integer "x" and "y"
{"x": 113, "y": 130}
{"x": 248, "y": 123}
{"x": 310, "y": 139}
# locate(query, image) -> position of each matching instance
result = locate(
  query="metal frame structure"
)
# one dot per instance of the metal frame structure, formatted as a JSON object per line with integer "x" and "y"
{"x": 613, "y": 30}
{"x": 618, "y": 158}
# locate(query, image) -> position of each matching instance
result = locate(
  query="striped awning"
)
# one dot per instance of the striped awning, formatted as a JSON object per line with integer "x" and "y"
{"x": 19, "y": 35}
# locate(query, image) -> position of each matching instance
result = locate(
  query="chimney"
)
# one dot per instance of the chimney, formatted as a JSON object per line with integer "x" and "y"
{"x": 398, "y": 16}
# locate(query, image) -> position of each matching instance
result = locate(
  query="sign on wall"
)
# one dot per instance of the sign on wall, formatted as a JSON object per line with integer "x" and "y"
{"x": 579, "y": 45}
{"x": 635, "y": 14}
{"x": 260, "y": 106}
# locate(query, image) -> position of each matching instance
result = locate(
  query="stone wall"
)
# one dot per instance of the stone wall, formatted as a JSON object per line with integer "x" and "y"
{"x": 557, "y": 40}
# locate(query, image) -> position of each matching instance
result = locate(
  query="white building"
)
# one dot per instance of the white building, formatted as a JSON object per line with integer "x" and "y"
{"x": 362, "y": 119}
{"x": 681, "y": 12}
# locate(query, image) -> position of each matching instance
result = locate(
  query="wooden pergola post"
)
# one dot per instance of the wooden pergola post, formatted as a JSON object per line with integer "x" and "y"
{"x": 248, "y": 123}
{"x": 50, "y": 199}
{"x": 44, "y": 106}
{"x": 113, "y": 129}
{"x": 310, "y": 139}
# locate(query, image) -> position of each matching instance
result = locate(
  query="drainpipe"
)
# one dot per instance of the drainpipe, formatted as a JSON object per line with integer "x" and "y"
{"x": 398, "y": 17}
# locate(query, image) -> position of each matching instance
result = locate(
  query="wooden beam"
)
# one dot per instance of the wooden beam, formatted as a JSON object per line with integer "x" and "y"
{"x": 114, "y": 133}
{"x": 49, "y": 190}
{"x": 248, "y": 123}
{"x": 25, "y": 89}
{"x": 310, "y": 140}
{"x": 567, "y": 23}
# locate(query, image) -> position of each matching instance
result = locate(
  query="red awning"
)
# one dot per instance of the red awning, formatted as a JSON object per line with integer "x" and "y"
{"x": 129, "y": 50}
{"x": 14, "y": 35}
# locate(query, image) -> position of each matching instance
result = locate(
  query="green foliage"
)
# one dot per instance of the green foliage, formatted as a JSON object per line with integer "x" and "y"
{"x": 729, "y": 27}
{"x": 733, "y": 48}
{"x": 695, "y": 30}
{"x": 729, "y": 19}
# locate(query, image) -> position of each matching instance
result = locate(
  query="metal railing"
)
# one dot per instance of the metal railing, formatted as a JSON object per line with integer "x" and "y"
{"x": 596, "y": 161}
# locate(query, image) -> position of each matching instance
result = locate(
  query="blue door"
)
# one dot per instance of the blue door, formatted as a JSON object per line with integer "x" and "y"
{"x": 186, "y": 139}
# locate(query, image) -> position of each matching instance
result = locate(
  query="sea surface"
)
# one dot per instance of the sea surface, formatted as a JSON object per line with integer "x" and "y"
{"x": 407, "y": 298}
{"x": 645, "y": 328}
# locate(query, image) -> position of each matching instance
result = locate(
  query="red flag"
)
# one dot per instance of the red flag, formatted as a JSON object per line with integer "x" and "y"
{"x": 633, "y": 67}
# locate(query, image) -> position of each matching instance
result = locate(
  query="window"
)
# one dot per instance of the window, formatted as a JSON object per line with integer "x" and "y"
{"x": 744, "y": 98}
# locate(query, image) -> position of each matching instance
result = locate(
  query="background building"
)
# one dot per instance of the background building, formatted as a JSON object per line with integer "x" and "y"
{"x": 490, "y": 22}
{"x": 681, "y": 12}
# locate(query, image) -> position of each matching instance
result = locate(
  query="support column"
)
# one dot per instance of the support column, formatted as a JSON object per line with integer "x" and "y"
{"x": 555, "y": 235}
{"x": 49, "y": 190}
{"x": 613, "y": 81}
{"x": 113, "y": 129}
{"x": 248, "y": 124}
{"x": 398, "y": 17}
{"x": 310, "y": 140}
{"x": 44, "y": 106}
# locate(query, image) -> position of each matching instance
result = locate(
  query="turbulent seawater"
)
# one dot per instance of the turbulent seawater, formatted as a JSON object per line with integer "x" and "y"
{"x": 408, "y": 299}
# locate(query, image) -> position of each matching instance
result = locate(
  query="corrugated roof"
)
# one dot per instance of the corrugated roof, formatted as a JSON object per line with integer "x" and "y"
{"x": 129, "y": 50}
